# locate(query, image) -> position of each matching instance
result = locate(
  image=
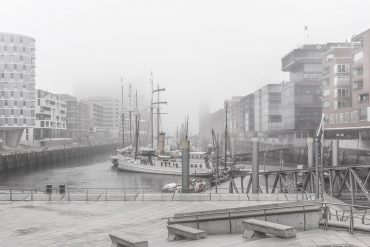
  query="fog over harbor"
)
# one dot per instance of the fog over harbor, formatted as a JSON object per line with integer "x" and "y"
{"x": 198, "y": 50}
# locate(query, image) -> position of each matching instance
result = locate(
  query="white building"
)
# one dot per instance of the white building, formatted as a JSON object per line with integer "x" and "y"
{"x": 17, "y": 86}
{"x": 112, "y": 118}
{"x": 50, "y": 120}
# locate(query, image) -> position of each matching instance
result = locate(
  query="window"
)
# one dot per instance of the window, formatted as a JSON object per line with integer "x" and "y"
{"x": 363, "y": 98}
{"x": 200, "y": 165}
{"x": 191, "y": 165}
{"x": 362, "y": 114}
{"x": 341, "y": 68}
{"x": 346, "y": 117}
{"x": 312, "y": 67}
{"x": 2, "y": 75}
{"x": 24, "y": 49}
{"x": 11, "y": 39}
{"x": 14, "y": 49}
{"x": 326, "y": 92}
{"x": 21, "y": 112}
{"x": 21, "y": 58}
{"x": 11, "y": 76}
{"x": 12, "y": 112}
{"x": 21, "y": 76}
{"x": 5, "y": 48}
{"x": 12, "y": 94}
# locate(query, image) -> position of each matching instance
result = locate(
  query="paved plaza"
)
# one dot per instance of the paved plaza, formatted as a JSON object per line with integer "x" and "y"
{"x": 66, "y": 224}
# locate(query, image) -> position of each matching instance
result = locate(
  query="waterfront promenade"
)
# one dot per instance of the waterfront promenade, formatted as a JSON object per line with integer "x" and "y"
{"x": 88, "y": 223}
{"x": 66, "y": 224}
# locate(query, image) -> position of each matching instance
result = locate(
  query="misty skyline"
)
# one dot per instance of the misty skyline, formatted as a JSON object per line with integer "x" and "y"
{"x": 198, "y": 50}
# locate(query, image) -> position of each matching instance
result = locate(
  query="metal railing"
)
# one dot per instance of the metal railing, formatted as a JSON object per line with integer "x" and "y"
{"x": 96, "y": 194}
{"x": 346, "y": 213}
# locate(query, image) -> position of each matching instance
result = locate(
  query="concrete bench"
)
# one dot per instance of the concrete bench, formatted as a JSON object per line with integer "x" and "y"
{"x": 259, "y": 228}
{"x": 125, "y": 240}
{"x": 178, "y": 232}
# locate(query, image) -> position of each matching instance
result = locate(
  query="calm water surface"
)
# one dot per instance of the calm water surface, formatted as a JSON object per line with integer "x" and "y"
{"x": 92, "y": 172}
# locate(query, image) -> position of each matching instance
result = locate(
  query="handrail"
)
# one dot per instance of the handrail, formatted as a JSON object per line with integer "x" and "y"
{"x": 242, "y": 211}
{"x": 351, "y": 216}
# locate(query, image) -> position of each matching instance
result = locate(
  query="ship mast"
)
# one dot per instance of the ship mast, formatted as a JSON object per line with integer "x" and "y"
{"x": 123, "y": 116}
{"x": 158, "y": 103}
{"x": 130, "y": 111}
{"x": 137, "y": 120}
{"x": 151, "y": 112}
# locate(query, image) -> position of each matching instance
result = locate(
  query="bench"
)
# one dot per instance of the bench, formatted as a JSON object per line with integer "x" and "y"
{"x": 125, "y": 240}
{"x": 178, "y": 232}
{"x": 259, "y": 228}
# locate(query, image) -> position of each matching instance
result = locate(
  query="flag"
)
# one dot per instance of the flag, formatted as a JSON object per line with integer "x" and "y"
{"x": 305, "y": 28}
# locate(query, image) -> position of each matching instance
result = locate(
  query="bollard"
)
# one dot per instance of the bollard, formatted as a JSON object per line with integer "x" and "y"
{"x": 255, "y": 165}
{"x": 49, "y": 188}
{"x": 62, "y": 188}
{"x": 335, "y": 152}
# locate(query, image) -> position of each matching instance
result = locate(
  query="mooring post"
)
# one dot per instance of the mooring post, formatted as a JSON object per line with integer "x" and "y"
{"x": 335, "y": 152}
{"x": 255, "y": 165}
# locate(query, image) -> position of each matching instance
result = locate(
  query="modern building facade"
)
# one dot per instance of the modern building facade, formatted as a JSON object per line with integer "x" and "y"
{"x": 112, "y": 114}
{"x": 17, "y": 86}
{"x": 337, "y": 86}
{"x": 271, "y": 119}
{"x": 361, "y": 83}
{"x": 51, "y": 113}
{"x": 301, "y": 96}
{"x": 97, "y": 117}
{"x": 77, "y": 118}
{"x": 247, "y": 105}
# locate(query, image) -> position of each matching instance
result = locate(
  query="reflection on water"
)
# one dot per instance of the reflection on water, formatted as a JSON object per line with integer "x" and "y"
{"x": 92, "y": 172}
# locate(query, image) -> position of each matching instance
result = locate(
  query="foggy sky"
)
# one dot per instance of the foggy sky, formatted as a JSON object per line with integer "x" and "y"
{"x": 199, "y": 50}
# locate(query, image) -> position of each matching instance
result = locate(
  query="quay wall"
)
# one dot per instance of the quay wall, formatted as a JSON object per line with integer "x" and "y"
{"x": 12, "y": 161}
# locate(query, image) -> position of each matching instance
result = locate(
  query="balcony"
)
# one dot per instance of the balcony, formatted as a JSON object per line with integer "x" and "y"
{"x": 357, "y": 85}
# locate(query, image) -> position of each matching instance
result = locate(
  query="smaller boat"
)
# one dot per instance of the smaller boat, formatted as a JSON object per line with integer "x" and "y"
{"x": 171, "y": 188}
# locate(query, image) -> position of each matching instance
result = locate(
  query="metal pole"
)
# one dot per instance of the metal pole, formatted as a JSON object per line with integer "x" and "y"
{"x": 255, "y": 165}
{"x": 225, "y": 158}
{"x": 123, "y": 119}
{"x": 158, "y": 114}
{"x": 185, "y": 165}
{"x": 317, "y": 181}
{"x": 335, "y": 152}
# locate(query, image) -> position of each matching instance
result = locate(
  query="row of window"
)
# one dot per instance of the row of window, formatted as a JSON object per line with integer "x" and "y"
{"x": 18, "y": 76}
{"x": 52, "y": 124}
{"x": 17, "y": 121}
{"x": 15, "y": 48}
{"x": 13, "y": 39}
{"x": 348, "y": 117}
{"x": 10, "y": 67}
{"x": 17, "y": 103}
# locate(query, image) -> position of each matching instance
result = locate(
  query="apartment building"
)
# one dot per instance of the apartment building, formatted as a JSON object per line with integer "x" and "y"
{"x": 301, "y": 97}
{"x": 17, "y": 86}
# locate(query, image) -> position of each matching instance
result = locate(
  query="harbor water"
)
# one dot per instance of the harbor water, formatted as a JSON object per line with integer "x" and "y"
{"x": 91, "y": 172}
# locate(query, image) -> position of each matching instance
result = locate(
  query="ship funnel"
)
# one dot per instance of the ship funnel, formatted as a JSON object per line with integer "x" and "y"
{"x": 162, "y": 139}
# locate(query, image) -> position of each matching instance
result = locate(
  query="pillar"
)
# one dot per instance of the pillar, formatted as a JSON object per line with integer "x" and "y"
{"x": 255, "y": 165}
{"x": 310, "y": 149}
{"x": 335, "y": 152}
{"x": 185, "y": 147}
